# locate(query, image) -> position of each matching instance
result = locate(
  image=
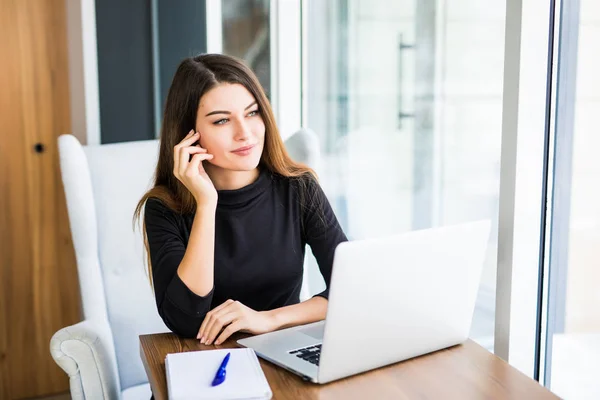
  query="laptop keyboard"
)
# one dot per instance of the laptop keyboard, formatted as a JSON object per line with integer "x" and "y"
{"x": 312, "y": 354}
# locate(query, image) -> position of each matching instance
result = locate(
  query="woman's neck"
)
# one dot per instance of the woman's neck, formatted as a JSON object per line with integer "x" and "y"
{"x": 226, "y": 179}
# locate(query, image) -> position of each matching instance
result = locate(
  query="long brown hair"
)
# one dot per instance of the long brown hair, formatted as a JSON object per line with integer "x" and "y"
{"x": 194, "y": 77}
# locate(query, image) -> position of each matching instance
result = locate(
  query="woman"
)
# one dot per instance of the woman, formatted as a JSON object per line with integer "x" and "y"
{"x": 229, "y": 215}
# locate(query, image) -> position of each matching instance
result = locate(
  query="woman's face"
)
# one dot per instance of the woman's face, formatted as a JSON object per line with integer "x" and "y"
{"x": 231, "y": 128}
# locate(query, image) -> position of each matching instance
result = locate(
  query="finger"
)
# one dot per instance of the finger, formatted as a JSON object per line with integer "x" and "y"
{"x": 214, "y": 320}
{"x": 209, "y": 315}
{"x": 189, "y": 139}
{"x": 235, "y": 326}
{"x": 184, "y": 157}
{"x": 197, "y": 159}
{"x": 221, "y": 322}
{"x": 231, "y": 307}
{"x": 184, "y": 160}
{"x": 191, "y": 133}
{"x": 188, "y": 151}
{"x": 177, "y": 146}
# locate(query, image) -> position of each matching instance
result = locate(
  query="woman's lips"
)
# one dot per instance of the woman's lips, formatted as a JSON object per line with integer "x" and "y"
{"x": 244, "y": 151}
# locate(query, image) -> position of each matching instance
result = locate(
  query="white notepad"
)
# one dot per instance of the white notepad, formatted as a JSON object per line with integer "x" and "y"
{"x": 190, "y": 374}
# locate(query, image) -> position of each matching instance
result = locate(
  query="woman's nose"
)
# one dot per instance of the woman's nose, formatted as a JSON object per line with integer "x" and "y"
{"x": 242, "y": 131}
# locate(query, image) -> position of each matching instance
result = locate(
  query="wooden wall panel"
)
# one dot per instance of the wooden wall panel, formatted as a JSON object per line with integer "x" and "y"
{"x": 38, "y": 272}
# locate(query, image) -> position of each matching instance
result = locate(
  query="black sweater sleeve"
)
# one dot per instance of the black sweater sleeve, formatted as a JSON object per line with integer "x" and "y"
{"x": 321, "y": 229}
{"x": 181, "y": 309}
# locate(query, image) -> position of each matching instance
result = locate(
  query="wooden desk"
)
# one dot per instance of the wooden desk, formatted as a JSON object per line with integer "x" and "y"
{"x": 467, "y": 371}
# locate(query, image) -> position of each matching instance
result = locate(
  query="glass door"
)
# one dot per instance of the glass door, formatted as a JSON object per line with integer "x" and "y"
{"x": 406, "y": 97}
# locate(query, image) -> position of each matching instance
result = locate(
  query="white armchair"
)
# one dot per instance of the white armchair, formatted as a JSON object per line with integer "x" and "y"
{"x": 103, "y": 185}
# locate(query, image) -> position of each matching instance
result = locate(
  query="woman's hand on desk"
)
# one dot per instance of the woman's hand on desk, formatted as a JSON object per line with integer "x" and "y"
{"x": 233, "y": 316}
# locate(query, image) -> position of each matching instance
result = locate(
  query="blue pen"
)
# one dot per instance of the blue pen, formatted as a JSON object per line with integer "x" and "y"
{"x": 221, "y": 372}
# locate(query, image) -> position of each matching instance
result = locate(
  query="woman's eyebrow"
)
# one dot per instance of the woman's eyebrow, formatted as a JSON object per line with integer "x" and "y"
{"x": 227, "y": 112}
{"x": 217, "y": 112}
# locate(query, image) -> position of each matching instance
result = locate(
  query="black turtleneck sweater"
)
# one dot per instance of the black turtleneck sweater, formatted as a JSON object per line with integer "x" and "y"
{"x": 261, "y": 231}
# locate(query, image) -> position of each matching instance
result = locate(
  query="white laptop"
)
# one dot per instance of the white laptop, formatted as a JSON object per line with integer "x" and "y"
{"x": 390, "y": 299}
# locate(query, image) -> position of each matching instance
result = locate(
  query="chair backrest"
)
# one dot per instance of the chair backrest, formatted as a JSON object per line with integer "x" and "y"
{"x": 103, "y": 184}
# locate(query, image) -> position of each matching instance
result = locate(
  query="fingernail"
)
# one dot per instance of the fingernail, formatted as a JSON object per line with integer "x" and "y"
{"x": 202, "y": 340}
{"x": 217, "y": 342}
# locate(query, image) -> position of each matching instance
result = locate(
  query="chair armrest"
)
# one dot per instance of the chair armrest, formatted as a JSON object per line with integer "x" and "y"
{"x": 85, "y": 352}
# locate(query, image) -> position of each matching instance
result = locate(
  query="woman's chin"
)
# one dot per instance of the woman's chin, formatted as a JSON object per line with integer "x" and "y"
{"x": 243, "y": 165}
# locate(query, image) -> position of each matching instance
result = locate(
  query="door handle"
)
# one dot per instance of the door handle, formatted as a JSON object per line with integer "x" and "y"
{"x": 402, "y": 48}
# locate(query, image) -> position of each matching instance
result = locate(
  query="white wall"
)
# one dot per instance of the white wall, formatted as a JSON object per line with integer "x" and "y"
{"x": 83, "y": 70}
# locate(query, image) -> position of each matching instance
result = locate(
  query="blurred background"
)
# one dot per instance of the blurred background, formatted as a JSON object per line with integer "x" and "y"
{"x": 405, "y": 96}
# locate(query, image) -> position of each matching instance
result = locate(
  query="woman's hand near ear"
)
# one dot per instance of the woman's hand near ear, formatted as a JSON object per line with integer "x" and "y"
{"x": 191, "y": 172}
{"x": 196, "y": 269}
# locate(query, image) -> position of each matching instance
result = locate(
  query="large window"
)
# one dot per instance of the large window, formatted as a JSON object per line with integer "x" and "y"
{"x": 406, "y": 97}
{"x": 415, "y": 102}
{"x": 573, "y": 344}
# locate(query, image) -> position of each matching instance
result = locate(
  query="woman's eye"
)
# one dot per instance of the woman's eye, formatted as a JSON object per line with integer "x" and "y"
{"x": 253, "y": 113}
{"x": 221, "y": 121}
